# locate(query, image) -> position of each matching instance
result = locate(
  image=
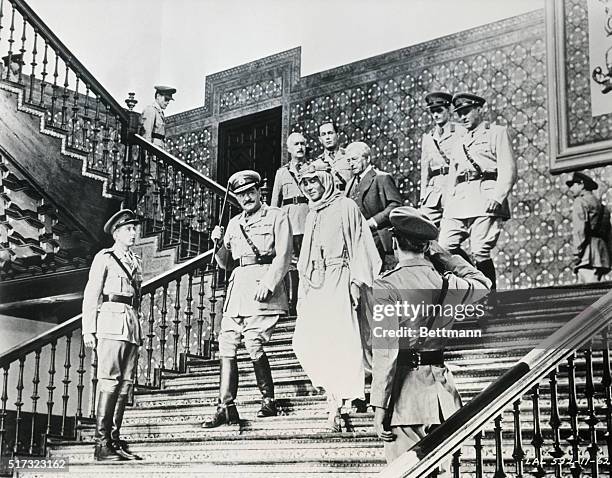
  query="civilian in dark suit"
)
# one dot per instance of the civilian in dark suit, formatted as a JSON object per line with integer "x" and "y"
{"x": 374, "y": 192}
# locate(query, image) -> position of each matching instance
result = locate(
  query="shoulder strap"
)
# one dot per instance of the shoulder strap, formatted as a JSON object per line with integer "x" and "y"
{"x": 135, "y": 285}
{"x": 444, "y": 157}
{"x": 474, "y": 164}
{"x": 250, "y": 241}
{"x": 440, "y": 301}
{"x": 294, "y": 179}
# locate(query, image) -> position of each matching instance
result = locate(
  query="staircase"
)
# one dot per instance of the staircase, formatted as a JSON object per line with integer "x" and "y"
{"x": 163, "y": 426}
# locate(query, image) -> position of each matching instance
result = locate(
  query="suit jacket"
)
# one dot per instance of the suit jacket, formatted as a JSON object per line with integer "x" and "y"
{"x": 415, "y": 396}
{"x": 376, "y": 195}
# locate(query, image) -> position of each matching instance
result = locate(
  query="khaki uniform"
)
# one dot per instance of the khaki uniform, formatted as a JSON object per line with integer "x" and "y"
{"x": 286, "y": 189}
{"x": 437, "y": 147}
{"x": 115, "y": 324}
{"x": 153, "y": 125}
{"x": 341, "y": 168}
{"x": 269, "y": 230}
{"x": 591, "y": 238}
{"x": 417, "y": 398}
{"x": 465, "y": 215}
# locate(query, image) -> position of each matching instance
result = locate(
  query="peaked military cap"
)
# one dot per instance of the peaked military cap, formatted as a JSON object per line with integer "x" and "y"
{"x": 581, "y": 178}
{"x": 15, "y": 58}
{"x": 438, "y": 98}
{"x": 311, "y": 169}
{"x": 121, "y": 218}
{"x": 410, "y": 223}
{"x": 165, "y": 90}
{"x": 467, "y": 100}
{"x": 243, "y": 180}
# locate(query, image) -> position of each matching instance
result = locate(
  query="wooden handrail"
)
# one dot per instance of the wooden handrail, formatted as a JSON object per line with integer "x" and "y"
{"x": 466, "y": 422}
{"x": 66, "y": 55}
{"x": 184, "y": 168}
{"x": 74, "y": 323}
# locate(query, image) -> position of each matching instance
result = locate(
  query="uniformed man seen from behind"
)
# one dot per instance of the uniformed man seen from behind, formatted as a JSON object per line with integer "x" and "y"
{"x": 152, "y": 119}
{"x": 334, "y": 155}
{"x": 111, "y": 320}
{"x": 437, "y": 146}
{"x": 412, "y": 390}
{"x": 259, "y": 241}
{"x": 482, "y": 174}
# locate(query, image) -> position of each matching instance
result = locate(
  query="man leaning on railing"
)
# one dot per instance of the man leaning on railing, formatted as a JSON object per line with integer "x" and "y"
{"x": 412, "y": 390}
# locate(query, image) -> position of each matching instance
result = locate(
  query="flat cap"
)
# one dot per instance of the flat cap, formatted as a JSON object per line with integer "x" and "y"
{"x": 410, "y": 223}
{"x": 581, "y": 178}
{"x": 467, "y": 100}
{"x": 121, "y": 218}
{"x": 311, "y": 169}
{"x": 165, "y": 90}
{"x": 243, "y": 180}
{"x": 438, "y": 98}
{"x": 15, "y": 58}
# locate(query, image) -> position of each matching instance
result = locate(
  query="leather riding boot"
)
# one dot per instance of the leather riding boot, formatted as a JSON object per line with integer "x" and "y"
{"x": 291, "y": 284}
{"x": 263, "y": 375}
{"x": 104, "y": 450}
{"x": 121, "y": 446}
{"x": 226, "y": 409}
{"x": 488, "y": 269}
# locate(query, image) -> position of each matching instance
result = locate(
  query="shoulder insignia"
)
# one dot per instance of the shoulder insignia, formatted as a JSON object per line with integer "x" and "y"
{"x": 487, "y": 125}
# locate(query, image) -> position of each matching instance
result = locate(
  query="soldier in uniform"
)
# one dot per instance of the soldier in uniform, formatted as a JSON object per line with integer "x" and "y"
{"x": 111, "y": 322}
{"x": 436, "y": 148}
{"x": 334, "y": 155}
{"x": 590, "y": 230}
{"x": 482, "y": 174}
{"x": 287, "y": 194}
{"x": 259, "y": 240}
{"x": 13, "y": 63}
{"x": 152, "y": 119}
{"x": 412, "y": 390}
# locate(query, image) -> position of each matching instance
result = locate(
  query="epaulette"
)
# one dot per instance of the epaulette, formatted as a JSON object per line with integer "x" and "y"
{"x": 452, "y": 127}
{"x": 107, "y": 251}
{"x": 395, "y": 269}
{"x": 487, "y": 125}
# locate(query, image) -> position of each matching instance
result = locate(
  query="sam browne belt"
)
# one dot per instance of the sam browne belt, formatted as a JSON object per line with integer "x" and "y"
{"x": 415, "y": 358}
{"x": 295, "y": 200}
{"x": 122, "y": 299}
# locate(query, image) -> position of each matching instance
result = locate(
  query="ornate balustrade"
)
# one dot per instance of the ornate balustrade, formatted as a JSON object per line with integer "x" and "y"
{"x": 557, "y": 405}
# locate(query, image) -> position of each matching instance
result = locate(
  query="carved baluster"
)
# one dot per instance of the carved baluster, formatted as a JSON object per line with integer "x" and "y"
{"x": 33, "y": 64}
{"x": 163, "y": 326}
{"x": 499, "y": 457}
{"x": 43, "y": 82}
{"x": 1, "y": 27}
{"x": 189, "y": 217}
{"x": 22, "y": 50}
{"x": 51, "y": 386}
{"x": 75, "y": 112}
{"x": 150, "y": 337}
{"x": 105, "y": 140}
{"x": 592, "y": 420}
{"x": 478, "y": 450}
{"x": 188, "y": 313}
{"x": 126, "y": 170}
{"x": 181, "y": 214}
{"x": 65, "y": 95}
{"x": 54, "y": 90}
{"x": 518, "y": 453}
{"x": 11, "y": 41}
{"x": 3, "y": 399}
{"x": 538, "y": 439}
{"x": 66, "y": 381}
{"x": 457, "y": 464}
{"x": 555, "y": 423}
{"x": 94, "y": 384}
{"x": 35, "y": 397}
{"x": 95, "y": 136}
{"x": 177, "y": 323}
{"x": 201, "y": 308}
{"x": 86, "y": 122}
{"x": 115, "y": 156}
{"x": 213, "y": 310}
{"x": 574, "y": 439}
{"x": 81, "y": 381}
{"x": 201, "y": 218}
{"x": 607, "y": 384}
{"x": 18, "y": 405}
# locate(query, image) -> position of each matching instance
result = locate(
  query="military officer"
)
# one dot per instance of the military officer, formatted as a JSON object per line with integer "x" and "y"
{"x": 436, "y": 148}
{"x": 412, "y": 390}
{"x": 287, "y": 194}
{"x": 482, "y": 174}
{"x": 111, "y": 302}
{"x": 590, "y": 230}
{"x": 334, "y": 155}
{"x": 259, "y": 240}
{"x": 152, "y": 119}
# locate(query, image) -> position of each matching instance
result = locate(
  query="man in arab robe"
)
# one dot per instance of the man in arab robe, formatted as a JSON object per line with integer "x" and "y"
{"x": 338, "y": 259}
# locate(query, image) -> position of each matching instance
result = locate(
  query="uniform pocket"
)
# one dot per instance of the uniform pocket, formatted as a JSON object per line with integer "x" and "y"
{"x": 111, "y": 323}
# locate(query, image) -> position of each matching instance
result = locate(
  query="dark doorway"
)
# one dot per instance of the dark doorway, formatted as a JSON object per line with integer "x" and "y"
{"x": 251, "y": 142}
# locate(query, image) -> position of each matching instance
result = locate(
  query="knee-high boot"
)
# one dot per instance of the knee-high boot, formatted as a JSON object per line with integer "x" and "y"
{"x": 228, "y": 389}
{"x": 121, "y": 446}
{"x": 263, "y": 375}
{"x": 104, "y": 450}
{"x": 292, "y": 283}
{"x": 488, "y": 269}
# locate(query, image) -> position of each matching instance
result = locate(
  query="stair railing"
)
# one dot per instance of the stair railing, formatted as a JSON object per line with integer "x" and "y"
{"x": 566, "y": 383}
{"x": 54, "y": 369}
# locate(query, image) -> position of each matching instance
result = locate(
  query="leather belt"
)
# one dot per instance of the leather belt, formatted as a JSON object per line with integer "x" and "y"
{"x": 295, "y": 200}
{"x": 474, "y": 176}
{"x": 254, "y": 260}
{"x": 415, "y": 358}
{"x": 158, "y": 136}
{"x": 122, "y": 299}
{"x": 439, "y": 171}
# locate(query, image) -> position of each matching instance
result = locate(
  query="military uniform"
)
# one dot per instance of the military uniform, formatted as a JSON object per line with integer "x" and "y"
{"x": 482, "y": 168}
{"x": 153, "y": 121}
{"x": 111, "y": 302}
{"x": 340, "y": 167}
{"x": 409, "y": 378}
